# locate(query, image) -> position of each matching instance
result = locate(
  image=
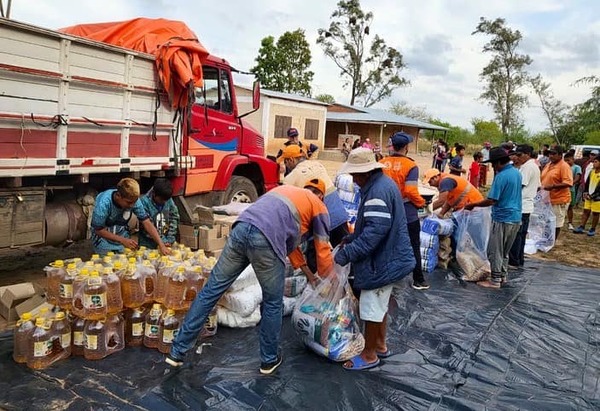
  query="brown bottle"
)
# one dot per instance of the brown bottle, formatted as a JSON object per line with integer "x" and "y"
{"x": 95, "y": 340}
{"x": 132, "y": 287}
{"x": 65, "y": 287}
{"x": 151, "y": 327}
{"x": 175, "y": 295}
{"x": 94, "y": 297}
{"x": 78, "y": 283}
{"x": 61, "y": 334}
{"x": 114, "y": 300}
{"x": 23, "y": 330}
{"x": 169, "y": 326}
{"x": 195, "y": 282}
{"x": 148, "y": 274}
{"x": 78, "y": 328}
{"x": 54, "y": 273}
{"x": 134, "y": 326}
{"x": 40, "y": 354}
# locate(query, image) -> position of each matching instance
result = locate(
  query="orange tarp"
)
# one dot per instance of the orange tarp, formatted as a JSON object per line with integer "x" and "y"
{"x": 179, "y": 54}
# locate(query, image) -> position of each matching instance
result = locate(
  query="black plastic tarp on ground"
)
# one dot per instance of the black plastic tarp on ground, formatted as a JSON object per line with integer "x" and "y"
{"x": 534, "y": 345}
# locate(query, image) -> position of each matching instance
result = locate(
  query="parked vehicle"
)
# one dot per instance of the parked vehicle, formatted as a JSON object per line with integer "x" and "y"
{"x": 580, "y": 150}
{"x": 78, "y": 115}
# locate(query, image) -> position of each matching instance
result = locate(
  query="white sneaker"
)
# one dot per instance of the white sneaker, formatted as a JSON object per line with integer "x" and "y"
{"x": 571, "y": 228}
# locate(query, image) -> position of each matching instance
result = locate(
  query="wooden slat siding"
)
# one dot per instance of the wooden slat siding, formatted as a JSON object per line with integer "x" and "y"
{"x": 6, "y": 212}
{"x": 142, "y": 145}
{"x": 36, "y": 143}
{"x": 29, "y": 221}
{"x": 311, "y": 129}
{"x": 93, "y": 144}
{"x": 282, "y": 123}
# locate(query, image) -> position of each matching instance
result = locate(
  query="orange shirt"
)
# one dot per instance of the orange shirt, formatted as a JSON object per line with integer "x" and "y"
{"x": 558, "y": 173}
{"x": 398, "y": 169}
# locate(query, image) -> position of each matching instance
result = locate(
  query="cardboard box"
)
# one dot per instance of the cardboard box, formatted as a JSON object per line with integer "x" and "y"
{"x": 12, "y": 296}
{"x": 215, "y": 253}
{"x": 203, "y": 237}
{"x": 227, "y": 220}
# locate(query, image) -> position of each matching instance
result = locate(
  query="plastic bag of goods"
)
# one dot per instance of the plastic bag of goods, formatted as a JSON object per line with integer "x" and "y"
{"x": 294, "y": 285}
{"x": 245, "y": 279}
{"x": 473, "y": 232}
{"x": 326, "y": 318}
{"x": 289, "y": 303}
{"x": 232, "y": 319}
{"x": 243, "y": 302}
{"x": 438, "y": 226}
{"x": 542, "y": 223}
{"x": 430, "y": 244}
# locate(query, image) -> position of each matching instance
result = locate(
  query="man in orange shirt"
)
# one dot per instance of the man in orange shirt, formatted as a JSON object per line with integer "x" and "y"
{"x": 455, "y": 191}
{"x": 557, "y": 178}
{"x": 405, "y": 173}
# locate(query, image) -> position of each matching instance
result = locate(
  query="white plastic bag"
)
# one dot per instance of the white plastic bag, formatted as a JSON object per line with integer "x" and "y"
{"x": 231, "y": 319}
{"x": 326, "y": 318}
{"x": 245, "y": 279}
{"x": 243, "y": 302}
{"x": 472, "y": 236}
{"x": 542, "y": 223}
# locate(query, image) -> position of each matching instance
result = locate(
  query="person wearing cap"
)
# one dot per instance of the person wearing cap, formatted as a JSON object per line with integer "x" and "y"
{"x": 303, "y": 170}
{"x": 110, "y": 219}
{"x": 505, "y": 198}
{"x": 523, "y": 158}
{"x": 264, "y": 234}
{"x": 591, "y": 195}
{"x": 292, "y": 135}
{"x": 377, "y": 251}
{"x": 557, "y": 179}
{"x": 405, "y": 173}
{"x": 455, "y": 192}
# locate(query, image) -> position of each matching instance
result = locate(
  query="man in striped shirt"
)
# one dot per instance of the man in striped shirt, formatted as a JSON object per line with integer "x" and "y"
{"x": 264, "y": 234}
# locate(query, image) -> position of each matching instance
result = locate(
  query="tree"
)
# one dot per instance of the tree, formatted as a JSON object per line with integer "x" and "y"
{"x": 402, "y": 108}
{"x": 505, "y": 74}
{"x": 284, "y": 66}
{"x": 487, "y": 131}
{"x": 372, "y": 71}
{"x": 325, "y": 98}
{"x": 553, "y": 108}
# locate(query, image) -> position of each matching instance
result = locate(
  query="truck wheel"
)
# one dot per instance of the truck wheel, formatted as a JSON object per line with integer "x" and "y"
{"x": 240, "y": 190}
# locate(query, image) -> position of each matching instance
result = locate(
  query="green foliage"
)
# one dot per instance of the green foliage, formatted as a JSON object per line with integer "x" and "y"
{"x": 505, "y": 74}
{"x": 371, "y": 70}
{"x": 402, "y": 108}
{"x": 554, "y": 109}
{"x": 284, "y": 66}
{"x": 325, "y": 98}
{"x": 487, "y": 131}
{"x": 584, "y": 119}
{"x": 593, "y": 138}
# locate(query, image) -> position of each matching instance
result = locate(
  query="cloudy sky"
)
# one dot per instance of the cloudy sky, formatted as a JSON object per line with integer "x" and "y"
{"x": 443, "y": 58}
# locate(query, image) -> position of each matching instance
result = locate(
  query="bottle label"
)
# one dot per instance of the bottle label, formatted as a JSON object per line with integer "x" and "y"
{"x": 78, "y": 338}
{"x": 169, "y": 336}
{"x": 137, "y": 329}
{"x": 42, "y": 348}
{"x": 91, "y": 342}
{"x": 151, "y": 330}
{"x": 65, "y": 340}
{"x": 94, "y": 281}
{"x": 92, "y": 301}
{"x": 65, "y": 291}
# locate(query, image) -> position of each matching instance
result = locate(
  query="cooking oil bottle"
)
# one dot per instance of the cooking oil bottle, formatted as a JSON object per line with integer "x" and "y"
{"x": 135, "y": 318}
{"x": 132, "y": 287}
{"x": 78, "y": 284}
{"x": 94, "y": 297}
{"x": 175, "y": 294}
{"x": 148, "y": 274}
{"x": 54, "y": 272}
{"x": 65, "y": 287}
{"x": 40, "y": 354}
{"x": 195, "y": 282}
{"x": 61, "y": 331}
{"x": 162, "y": 279}
{"x": 23, "y": 330}
{"x": 78, "y": 328}
{"x": 95, "y": 340}
{"x": 167, "y": 331}
{"x": 151, "y": 326}
{"x": 114, "y": 300}
{"x": 115, "y": 333}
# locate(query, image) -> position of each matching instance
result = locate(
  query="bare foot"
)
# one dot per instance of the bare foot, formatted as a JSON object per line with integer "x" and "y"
{"x": 489, "y": 284}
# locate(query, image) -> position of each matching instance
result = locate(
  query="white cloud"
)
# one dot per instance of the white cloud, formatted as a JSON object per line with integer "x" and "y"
{"x": 444, "y": 60}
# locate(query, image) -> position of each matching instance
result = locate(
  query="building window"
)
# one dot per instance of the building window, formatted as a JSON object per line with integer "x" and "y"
{"x": 311, "y": 129}
{"x": 282, "y": 123}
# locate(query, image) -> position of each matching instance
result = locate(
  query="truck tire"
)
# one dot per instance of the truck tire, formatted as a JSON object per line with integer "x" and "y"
{"x": 240, "y": 190}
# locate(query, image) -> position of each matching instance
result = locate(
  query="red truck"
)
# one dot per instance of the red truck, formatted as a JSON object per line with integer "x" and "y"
{"x": 78, "y": 115}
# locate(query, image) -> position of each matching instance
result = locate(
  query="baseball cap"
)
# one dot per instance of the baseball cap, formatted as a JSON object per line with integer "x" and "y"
{"x": 595, "y": 152}
{"x": 291, "y": 151}
{"x": 316, "y": 183}
{"x": 496, "y": 153}
{"x": 429, "y": 174}
{"x": 522, "y": 149}
{"x": 292, "y": 132}
{"x": 400, "y": 139}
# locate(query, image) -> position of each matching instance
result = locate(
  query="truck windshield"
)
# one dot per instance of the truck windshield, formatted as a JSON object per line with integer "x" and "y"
{"x": 217, "y": 90}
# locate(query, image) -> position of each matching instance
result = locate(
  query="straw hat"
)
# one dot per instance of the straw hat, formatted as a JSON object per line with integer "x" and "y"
{"x": 360, "y": 160}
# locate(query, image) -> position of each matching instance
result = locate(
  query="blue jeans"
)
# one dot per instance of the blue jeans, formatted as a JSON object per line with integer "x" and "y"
{"x": 246, "y": 245}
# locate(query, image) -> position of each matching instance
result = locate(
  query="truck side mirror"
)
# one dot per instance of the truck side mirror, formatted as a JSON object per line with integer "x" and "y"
{"x": 256, "y": 95}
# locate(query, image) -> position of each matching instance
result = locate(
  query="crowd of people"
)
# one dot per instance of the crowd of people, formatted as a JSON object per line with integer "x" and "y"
{"x": 307, "y": 211}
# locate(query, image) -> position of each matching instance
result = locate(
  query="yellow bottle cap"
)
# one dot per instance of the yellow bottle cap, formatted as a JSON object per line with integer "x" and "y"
{"x": 26, "y": 316}
{"x": 60, "y": 315}
{"x": 71, "y": 266}
{"x": 110, "y": 254}
{"x": 95, "y": 273}
{"x": 180, "y": 269}
{"x": 107, "y": 259}
{"x": 132, "y": 260}
{"x": 118, "y": 265}
{"x": 170, "y": 312}
{"x": 43, "y": 310}
{"x": 89, "y": 263}
{"x": 107, "y": 270}
{"x": 156, "y": 306}
{"x": 95, "y": 256}
{"x": 142, "y": 248}
{"x": 84, "y": 272}
{"x": 40, "y": 322}
{"x": 59, "y": 263}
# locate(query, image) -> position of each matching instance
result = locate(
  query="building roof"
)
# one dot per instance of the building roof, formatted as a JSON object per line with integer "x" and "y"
{"x": 286, "y": 96}
{"x": 374, "y": 116}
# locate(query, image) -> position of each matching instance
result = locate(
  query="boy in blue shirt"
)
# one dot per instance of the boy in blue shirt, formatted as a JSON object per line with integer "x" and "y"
{"x": 163, "y": 214}
{"x": 505, "y": 199}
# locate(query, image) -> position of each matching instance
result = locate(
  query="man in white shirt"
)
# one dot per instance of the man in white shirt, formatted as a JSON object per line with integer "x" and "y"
{"x": 523, "y": 157}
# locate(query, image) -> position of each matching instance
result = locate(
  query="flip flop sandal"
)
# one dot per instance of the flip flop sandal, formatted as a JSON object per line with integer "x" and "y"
{"x": 386, "y": 354}
{"x": 358, "y": 364}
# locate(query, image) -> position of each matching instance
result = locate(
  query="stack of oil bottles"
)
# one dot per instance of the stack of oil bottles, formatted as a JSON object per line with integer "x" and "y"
{"x": 105, "y": 304}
